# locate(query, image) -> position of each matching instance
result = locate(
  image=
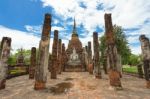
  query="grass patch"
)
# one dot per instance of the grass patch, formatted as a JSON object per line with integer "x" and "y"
{"x": 130, "y": 69}
{"x": 15, "y": 71}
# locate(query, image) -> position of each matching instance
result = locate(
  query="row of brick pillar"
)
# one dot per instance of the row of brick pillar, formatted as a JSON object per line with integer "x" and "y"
{"x": 54, "y": 63}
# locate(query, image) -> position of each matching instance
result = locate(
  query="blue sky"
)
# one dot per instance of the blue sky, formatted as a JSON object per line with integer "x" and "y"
{"x": 22, "y": 19}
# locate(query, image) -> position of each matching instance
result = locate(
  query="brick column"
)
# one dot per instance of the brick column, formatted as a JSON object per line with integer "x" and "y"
{"x": 96, "y": 55}
{"x": 54, "y": 56}
{"x": 59, "y": 56}
{"x": 32, "y": 63}
{"x": 145, "y": 46}
{"x": 5, "y": 52}
{"x": 112, "y": 55}
{"x": 43, "y": 55}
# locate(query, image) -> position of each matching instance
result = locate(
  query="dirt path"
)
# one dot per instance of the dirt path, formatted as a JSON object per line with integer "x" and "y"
{"x": 75, "y": 85}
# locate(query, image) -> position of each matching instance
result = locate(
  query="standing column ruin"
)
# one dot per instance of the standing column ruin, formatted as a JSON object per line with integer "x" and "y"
{"x": 59, "y": 56}
{"x": 90, "y": 65}
{"x": 32, "y": 63}
{"x": 54, "y": 56}
{"x": 63, "y": 57}
{"x": 145, "y": 46}
{"x": 105, "y": 62}
{"x": 140, "y": 70}
{"x": 5, "y": 52}
{"x": 96, "y": 55}
{"x": 50, "y": 62}
{"x": 112, "y": 55}
{"x": 43, "y": 55}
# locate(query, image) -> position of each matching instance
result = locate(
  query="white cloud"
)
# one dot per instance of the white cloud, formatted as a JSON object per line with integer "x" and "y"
{"x": 33, "y": 29}
{"x": 19, "y": 38}
{"x": 57, "y": 28}
{"x": 135, "y": 49}
{"x": 126, "y": 13}
{"x": 22, "y": 39}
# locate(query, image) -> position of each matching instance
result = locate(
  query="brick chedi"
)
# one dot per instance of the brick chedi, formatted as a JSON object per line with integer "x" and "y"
{"x": 145, "y": 46}
{"x": 32, "y": 63}
{"x": 74, "y": 42}
{"x": 112, "y": 59}
{"x": 20, "y": 58}
{"x": 74, "y": 52}
{"x": 54, "y": 56}
{"x": 5, "y": 52}
{"x": 43, "y": 55}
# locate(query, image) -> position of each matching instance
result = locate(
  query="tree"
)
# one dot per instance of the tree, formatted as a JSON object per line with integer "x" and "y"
{"x": 121, "y": 44}
{"x": 13, "y": 57}
{"x": 134, "y": 59}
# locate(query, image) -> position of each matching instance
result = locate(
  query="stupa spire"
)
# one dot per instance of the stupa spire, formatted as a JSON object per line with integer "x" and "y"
{"x": 74, "y": 27}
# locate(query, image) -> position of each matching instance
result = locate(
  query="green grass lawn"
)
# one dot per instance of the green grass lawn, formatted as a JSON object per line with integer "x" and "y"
{"x": 17, "y": 71}
{"x": 130, "y": 69}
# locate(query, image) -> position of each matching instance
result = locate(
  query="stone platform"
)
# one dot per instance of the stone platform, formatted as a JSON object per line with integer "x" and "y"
{"x": 77, "y": 68}
{"x": 82, "y": 85}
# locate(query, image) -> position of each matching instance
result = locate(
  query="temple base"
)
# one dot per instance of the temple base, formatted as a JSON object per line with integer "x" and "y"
{"x": 76, "y": 68}
{"x": 148, "y": 84}
{"x": 114, "y": 77}
{"x": 90, "y": 68}
{"x": 39, "y": 85}
{"x": 2, "y": 84}
{"x": 98, "y": 76}
{"x": 31, "y": 77}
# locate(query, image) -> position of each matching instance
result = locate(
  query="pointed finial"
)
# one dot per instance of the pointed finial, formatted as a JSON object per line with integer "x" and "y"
{"x": 74, "y": 27}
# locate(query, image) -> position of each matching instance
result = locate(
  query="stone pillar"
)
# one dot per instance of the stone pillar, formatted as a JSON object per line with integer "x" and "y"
{"x": 90, "y": 65}
{"x": 86, "y": 47}
{"x": 145, "y": 46}
{"x": 43, "y": 55}
{"x": 59, "y": 56}
{"x": 32, "y": 63}
{"x": 54, "y": 56}
{"x": 140, "y": 70}
{"x": 105, "y": 63}
{"x": 96, "y": 55}
{"x": 63, "y": 57}
{"x": 5, "y": 52}
{"x": 84, "y": 59}
{"x": 50, "y": 63}
{"x": 112, "y": 55}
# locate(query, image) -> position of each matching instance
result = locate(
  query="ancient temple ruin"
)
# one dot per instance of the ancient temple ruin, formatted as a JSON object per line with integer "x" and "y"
{"x": 5, "y": 52}
{"x": 145, "y": 46}
{"x": 74, "y": 52}
{"x": 43, "y": 55}
{"x": 20, "y": 58}
{"x": 112, "y": 54}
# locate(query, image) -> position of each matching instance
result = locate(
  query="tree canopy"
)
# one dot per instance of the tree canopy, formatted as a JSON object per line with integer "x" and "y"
{"x": 121, "y": 44}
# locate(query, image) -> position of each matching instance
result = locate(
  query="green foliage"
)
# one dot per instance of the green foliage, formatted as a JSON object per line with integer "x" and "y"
{"x": 130, "y": 69}
{"x": 16, "y": 71}
{"x": 12, "y": 60}
{"x": 121, "y": 44}
{"x": 134, "y": 59}
{"x": 13, "y": 57}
